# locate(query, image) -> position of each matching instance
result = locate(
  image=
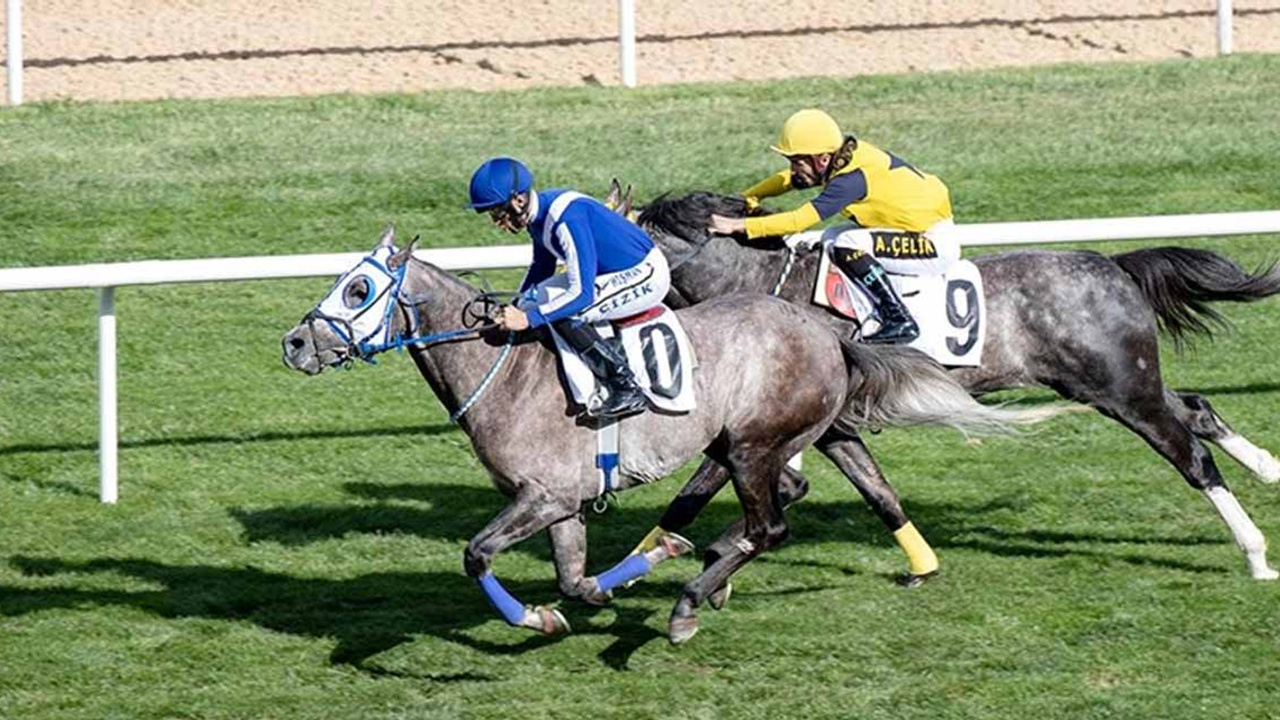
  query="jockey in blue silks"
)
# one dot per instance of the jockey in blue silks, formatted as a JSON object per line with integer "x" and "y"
{"x": 612, "y": 271}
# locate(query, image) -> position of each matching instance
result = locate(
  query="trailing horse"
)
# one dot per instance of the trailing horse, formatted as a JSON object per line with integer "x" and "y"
{"x": 1080, "y": 323}
{"x": 770, "y": 380}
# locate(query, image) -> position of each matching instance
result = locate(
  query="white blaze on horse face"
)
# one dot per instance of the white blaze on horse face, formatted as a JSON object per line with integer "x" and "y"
{"x": 362, "y": 299}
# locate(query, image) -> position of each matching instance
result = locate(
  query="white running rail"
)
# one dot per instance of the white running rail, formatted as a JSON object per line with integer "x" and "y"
{"x": 106, "y": 277}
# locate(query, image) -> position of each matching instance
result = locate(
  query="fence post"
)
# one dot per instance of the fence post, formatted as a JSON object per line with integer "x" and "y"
{"x": 627, "y": 41}
{"x": 1224, "y": 27}
{"x": 107, "y": 467}
{"x": 13, "y": 32}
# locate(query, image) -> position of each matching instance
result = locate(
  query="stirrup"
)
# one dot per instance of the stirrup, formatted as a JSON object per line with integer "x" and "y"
{"x": 896, "y": 334}
{"x": 617, "y": 405}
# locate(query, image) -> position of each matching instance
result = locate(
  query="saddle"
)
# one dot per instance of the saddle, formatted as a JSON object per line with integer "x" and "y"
{"x": 658, "y": 352}
{"x": 950, "y": 309}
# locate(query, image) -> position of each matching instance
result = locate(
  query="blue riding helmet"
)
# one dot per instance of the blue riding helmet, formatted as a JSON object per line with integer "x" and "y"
{"x": 497, "y": 181}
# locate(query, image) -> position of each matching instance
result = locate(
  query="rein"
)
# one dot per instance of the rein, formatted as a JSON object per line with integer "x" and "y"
{"x": 786, "y": 270}
{"x": 367, "y": 351}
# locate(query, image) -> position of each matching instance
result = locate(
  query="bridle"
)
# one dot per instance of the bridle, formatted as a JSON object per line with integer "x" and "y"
{"x": 365, "y": 329}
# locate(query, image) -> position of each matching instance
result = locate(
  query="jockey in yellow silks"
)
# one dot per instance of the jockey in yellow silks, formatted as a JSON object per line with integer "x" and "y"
{"x": 900, "y": 215}
{"x": 901, "y": 219}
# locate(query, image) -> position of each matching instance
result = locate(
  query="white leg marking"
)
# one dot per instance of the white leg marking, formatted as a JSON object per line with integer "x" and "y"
{"x": 1247, "y": 535}
{"x": 1259, "y": 461}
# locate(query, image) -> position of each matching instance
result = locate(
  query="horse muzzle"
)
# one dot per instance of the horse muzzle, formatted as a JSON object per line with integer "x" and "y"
{"x": 299, "y": 351}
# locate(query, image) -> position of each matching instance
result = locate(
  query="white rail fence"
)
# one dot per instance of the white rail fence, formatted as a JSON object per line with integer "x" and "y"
{"x": 626, "y": 42}
{"x": 106, "y": 277}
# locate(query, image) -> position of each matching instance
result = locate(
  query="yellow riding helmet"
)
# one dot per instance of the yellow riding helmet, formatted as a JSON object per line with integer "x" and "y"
{"x": 809, "y": 132}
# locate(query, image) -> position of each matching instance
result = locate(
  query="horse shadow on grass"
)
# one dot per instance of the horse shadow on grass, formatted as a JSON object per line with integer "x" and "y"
{"x": 369, "y": 614}
{"x": 365, "y": 615}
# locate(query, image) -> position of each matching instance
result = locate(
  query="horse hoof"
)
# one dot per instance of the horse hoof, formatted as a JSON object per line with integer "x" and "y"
{"x": 673, "y": 546}
{"x": 684, "y": 622}
{"x": 592, "y": 595}
{"x": 682, "y": 629}
{"x": 668, "y": 545}
{"x": 718, "y": 599}
{"x": 912, "y": 580}
{"x": 553, "y": 623}
{"x": 1265, "y": 574}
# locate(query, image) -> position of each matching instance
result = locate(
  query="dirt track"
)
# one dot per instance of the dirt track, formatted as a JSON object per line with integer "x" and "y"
{"x": 141, "y": 49}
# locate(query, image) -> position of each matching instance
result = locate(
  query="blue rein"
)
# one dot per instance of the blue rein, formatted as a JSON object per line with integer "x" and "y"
{"x": 367, "y": 351}
{"x": 400, "y": 342}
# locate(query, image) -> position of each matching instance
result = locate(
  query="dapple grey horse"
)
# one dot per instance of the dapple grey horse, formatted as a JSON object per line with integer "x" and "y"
{"x": 504, "y": 390}
{"x": 1080, "y": 323}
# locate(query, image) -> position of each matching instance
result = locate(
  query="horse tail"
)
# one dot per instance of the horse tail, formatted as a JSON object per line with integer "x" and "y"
{"x": 1180, "y": 282}
{"x": 898, "y": 386}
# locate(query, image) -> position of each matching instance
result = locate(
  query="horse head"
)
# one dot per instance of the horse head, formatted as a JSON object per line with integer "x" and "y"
{"x": 372, "y": 307}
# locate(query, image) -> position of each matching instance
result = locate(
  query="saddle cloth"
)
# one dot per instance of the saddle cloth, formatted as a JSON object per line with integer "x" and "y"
{"x": 950, "y": 309}
{"x": 658, "y": 352}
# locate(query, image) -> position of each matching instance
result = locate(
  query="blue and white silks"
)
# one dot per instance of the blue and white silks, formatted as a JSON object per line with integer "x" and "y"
{"x": 592, "y": 241}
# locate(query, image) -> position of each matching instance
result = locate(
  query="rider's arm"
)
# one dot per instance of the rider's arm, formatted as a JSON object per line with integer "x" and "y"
{"x": 574, "y": 237}
{"x": 792, "y": 221}
{"x": 542, "y": 267}
{"x": 843, "y": 190}
{"x": 775, "y": 184}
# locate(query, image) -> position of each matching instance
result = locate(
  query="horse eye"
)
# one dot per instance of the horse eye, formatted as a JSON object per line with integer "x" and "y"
{"x": 356, "y": 294}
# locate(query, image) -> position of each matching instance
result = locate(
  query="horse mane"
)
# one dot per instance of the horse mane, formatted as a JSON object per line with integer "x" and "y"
{"x": 688, "y": 216}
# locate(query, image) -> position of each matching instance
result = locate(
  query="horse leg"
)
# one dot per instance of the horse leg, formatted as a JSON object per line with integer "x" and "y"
{"x": 531, "y": 511}
{"x": 764, "y": 526}
{"x": 1199, "y": 416}
{"x": 792, "y": 487}
{"x": 1157, "y": 423}
{"x": 569, "y": 549}
{"x": 852, "y": 457}
{"x": 684, "y": 509}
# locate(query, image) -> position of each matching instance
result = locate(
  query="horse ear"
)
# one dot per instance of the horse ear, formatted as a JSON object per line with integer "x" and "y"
{"x": 614, "y": 199}
{"x": 402, "y": 255}
{"x": 625, "y": 206}
{"x": 388, "y": 238}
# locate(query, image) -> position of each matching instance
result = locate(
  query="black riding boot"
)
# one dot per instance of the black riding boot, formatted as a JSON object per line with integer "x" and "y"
{"x": 609, "y": 365}
{"x": 896, "y": 323}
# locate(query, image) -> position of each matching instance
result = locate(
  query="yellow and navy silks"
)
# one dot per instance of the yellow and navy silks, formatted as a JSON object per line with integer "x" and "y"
{"x": 875, "y": 190}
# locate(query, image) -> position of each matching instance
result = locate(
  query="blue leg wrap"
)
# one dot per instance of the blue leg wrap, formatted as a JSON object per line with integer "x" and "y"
{"x": 624, "y": 572}
{"x": 510, "y": 608}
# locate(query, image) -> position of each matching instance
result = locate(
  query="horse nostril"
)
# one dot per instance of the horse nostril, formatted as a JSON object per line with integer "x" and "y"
{"x": 296, "y": 343}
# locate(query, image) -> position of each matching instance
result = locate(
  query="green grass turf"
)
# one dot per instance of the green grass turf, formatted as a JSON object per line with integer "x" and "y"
{"x": 290, "y": 547}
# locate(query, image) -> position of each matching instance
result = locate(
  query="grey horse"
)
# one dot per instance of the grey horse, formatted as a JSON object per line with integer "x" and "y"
{"x": 1080, "y": 323}
{"x": 770, "y": 380}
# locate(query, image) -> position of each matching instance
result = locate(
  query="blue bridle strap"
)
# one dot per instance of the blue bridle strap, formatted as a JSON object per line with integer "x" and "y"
{"x": 368, "y": 351}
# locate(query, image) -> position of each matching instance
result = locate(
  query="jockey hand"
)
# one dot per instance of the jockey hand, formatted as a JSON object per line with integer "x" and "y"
{"x": 721, "y": 225}
{"x": 513, "y": 319}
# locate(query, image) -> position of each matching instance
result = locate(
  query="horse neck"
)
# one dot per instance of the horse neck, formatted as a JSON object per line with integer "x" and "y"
{"x": 721, "y": 268}
{"x": 454, "y": 369}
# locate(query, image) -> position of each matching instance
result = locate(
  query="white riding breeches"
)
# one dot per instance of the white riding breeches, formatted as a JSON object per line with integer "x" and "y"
{"x": 931, "y": 252}
{"x": 617, "y": 295}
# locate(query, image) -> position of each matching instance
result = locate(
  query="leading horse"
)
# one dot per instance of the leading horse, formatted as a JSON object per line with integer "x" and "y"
{"x": 1080, "y": 323}
{"x": 751, "y": 415}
